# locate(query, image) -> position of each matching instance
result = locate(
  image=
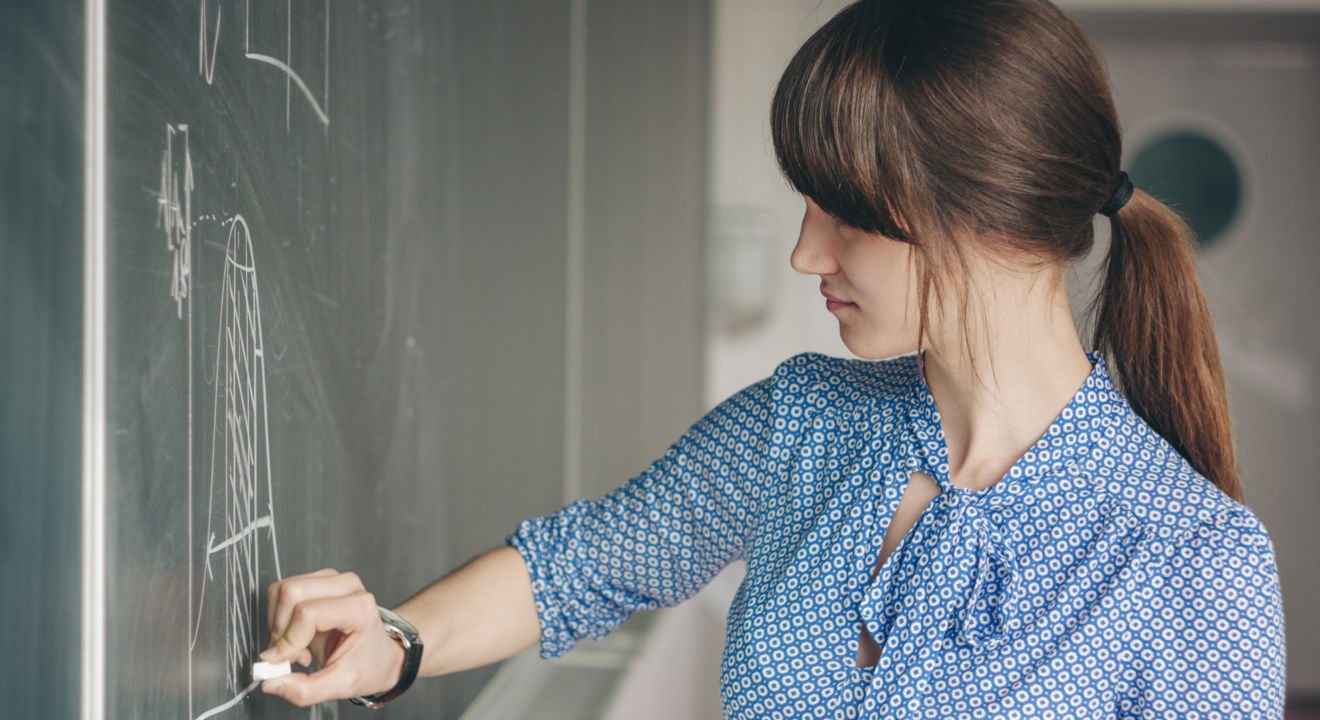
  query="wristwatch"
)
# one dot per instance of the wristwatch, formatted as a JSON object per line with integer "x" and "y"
{"x": 407, "y": 635}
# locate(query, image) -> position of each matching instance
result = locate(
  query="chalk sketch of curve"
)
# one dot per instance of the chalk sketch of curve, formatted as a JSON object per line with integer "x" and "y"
{"x": 240, "y": 535}
{"x": 208, "y": 40}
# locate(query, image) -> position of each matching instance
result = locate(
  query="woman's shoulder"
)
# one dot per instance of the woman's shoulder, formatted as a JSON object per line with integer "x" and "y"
{"x": 1162, "y": 490}
{"x": 1211, "y": 593}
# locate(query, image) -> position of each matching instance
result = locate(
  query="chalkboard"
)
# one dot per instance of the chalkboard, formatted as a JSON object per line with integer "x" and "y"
{"x": 306, "y": 204}
{"x": 41, "y": 171}
{"x": 381, "y": 279}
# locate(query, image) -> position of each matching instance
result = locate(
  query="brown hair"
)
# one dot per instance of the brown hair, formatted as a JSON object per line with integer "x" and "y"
{"x": 993, "y": 120}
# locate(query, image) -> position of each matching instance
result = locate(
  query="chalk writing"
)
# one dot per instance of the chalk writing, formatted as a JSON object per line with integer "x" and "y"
{"x": 240, "y": 465}
{"x": 174, "y": 210}
{"x": 205, "y": 58}
{"x": 208, "y": 41}
{"x": 231, "y": 702}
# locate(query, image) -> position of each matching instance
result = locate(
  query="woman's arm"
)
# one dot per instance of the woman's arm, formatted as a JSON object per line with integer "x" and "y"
{"x": 574, "y": 573}
{"x": 480, "y": 613}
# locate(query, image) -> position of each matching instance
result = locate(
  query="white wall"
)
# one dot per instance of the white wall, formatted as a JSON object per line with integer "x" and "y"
{"x": 755, "y": 216}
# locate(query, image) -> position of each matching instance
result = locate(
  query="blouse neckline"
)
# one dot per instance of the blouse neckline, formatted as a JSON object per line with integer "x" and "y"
{"x": 1082, "y": 430}
{"x": 963, "y": 532}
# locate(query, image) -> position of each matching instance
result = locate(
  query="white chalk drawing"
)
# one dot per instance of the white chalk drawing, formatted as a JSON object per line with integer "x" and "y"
{"x": 239, "y": 552}
{"x": 205, "y": 55}
{"x": 240, "y": 537}
{"x": 231, "y": 702}
{"x": 317, "y": 711}
{"x": 240, "y": 516}
{"x": 292, "y": 76}
{"x": 174, "y": 217}
{"x": 208, "y": 40}
{"x": 174, "y": 209}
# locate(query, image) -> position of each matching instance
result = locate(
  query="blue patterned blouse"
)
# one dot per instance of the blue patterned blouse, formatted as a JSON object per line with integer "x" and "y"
{"x": 1102, "y": 577}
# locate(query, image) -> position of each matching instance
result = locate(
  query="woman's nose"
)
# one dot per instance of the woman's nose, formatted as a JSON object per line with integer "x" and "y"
{"x": 812, "y": 255}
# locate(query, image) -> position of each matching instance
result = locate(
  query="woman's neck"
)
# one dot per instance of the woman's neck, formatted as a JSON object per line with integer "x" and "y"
{"x": 1032, "y": 367}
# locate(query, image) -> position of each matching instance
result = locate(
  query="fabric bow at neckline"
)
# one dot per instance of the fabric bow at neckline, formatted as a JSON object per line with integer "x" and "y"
{"x": 992, "y": 607}
{"x": 972, "y": 563}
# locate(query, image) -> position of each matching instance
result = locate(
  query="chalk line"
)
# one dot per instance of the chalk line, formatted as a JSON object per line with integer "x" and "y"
{"x": 232, "y": 702}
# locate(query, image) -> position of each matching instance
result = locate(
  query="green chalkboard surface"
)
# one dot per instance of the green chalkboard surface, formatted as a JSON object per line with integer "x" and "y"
{"x": 312, "y": 276}
{"x": 375, "y": 280}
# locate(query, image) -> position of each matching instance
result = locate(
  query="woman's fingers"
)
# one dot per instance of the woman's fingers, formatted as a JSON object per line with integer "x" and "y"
{"x": 346, "y": 613}
{"x": 321, "y": 617}
{"x": 307, "y": 689}
{"x": 272, "y": 591}
{"x": 295, "y": 590}
{"x": 317, "y": 648}
{"x": 304, "y": 657}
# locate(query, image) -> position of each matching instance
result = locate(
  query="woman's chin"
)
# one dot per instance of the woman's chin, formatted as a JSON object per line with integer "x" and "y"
{"x": 868, "y": 346}
{"x": 857, "y": 343}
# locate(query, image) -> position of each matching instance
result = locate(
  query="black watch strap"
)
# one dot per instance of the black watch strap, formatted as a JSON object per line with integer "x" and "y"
{"x": 407, "y": 635}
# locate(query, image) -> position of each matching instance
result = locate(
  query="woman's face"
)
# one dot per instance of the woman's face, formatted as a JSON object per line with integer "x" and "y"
{"x": 873, "y": 274}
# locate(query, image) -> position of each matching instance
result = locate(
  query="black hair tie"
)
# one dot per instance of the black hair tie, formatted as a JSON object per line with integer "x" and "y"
{"x": 1120, "y": 197}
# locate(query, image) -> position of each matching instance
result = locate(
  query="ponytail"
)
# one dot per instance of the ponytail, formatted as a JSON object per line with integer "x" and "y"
{"x": 1155, "y": 329}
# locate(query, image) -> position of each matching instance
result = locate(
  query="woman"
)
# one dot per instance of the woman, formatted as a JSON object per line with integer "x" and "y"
{"x": 923, "y": 538}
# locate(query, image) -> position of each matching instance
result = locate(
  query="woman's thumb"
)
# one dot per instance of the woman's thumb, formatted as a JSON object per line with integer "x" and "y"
{"x": 307, "y": 689}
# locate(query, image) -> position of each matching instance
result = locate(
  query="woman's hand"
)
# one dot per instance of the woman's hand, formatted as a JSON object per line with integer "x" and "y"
{"x": 329, "y": 617}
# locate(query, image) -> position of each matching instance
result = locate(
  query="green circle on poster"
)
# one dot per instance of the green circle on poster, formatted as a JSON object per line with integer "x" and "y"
{"x": 1194, "y": 175}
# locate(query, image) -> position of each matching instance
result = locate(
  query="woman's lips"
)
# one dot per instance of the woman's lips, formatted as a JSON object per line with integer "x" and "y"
{"x": 832, "y": 303}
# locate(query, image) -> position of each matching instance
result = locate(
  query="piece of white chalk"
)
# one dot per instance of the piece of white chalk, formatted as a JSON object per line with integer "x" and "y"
{"x": 265, "y": 671}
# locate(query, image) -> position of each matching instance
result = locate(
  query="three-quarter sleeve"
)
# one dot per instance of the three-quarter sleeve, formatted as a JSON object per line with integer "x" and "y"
{"x": 1212, "y": 645}
{"x": 660, "y": 537}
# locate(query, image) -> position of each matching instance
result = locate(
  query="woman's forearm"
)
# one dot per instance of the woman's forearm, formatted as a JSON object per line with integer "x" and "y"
{"x": 478, "y": 614}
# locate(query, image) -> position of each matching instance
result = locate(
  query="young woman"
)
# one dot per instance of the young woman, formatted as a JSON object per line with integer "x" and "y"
{"x": 988, "y": 527}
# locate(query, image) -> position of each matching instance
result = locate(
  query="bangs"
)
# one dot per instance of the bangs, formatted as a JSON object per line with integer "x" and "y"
{"x": 833, "y": 116}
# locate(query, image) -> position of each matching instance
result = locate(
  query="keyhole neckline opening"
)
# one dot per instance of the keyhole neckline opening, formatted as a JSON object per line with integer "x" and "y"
{"x": 881, "y": 565}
